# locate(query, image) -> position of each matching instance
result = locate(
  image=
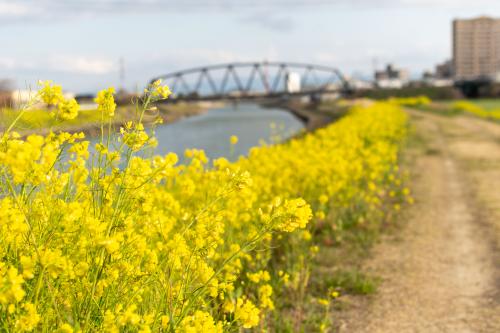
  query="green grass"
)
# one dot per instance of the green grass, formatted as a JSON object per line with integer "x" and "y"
{"x": 353, "y": 282}
{"x": 39, "y": 119}
{"x": 446, "y": 107}
{"x": 485, "y": 103}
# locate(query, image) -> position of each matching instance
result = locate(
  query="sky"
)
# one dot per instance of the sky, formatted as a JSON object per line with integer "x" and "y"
{"x": 79, "y": 43}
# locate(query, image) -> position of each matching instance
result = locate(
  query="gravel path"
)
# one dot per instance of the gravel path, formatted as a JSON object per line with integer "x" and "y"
{"x": 441, "y": 272}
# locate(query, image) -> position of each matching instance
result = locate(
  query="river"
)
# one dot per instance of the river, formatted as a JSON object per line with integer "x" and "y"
{"x": 211, "y": 131}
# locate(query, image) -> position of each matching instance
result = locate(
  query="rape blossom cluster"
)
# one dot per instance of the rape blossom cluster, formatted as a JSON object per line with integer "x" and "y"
{"x": 52, "y": 96}
{"x": 114, "y": 241}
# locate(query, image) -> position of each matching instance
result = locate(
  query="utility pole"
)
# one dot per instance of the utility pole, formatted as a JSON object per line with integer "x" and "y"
{"x": 374, "y": 64}
{"x": 122, "y": 74}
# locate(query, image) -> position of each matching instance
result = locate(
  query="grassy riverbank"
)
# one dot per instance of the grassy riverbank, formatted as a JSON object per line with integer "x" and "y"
{"x": 40, "y": 121}
{"x": 482, "y": 108}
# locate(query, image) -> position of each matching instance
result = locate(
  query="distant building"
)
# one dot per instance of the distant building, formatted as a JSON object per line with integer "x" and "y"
{"x": 391, "y": 77}
{"x": 441, "y": 77}
{"x": 358, "y": 84}
{"x": 476, "y": 48}
{"x": 444, "y": 70}
{"x": 292, "y": 82}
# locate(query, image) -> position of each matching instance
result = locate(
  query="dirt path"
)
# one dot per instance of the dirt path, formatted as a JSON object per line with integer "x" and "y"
{"x": 441, "y": 273}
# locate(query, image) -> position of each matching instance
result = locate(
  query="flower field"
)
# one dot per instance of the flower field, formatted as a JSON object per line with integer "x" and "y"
{"x": 124, "y": 241}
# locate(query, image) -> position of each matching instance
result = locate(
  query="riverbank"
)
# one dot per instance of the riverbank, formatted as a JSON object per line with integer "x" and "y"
{"x": 89, "y": 122}
{"x": 313, "y": 115}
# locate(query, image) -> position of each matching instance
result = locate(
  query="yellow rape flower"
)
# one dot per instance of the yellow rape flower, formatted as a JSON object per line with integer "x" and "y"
{"x": 68, "y": 109}
{"x": 12, "y": 286}
{"x": 247, "y": 313}
{"x": 158, "y": 91}
{"x": 292, "y": 214}
{"x": 259, "y": 276}
{"x": 165, "y": 320}
{"x": 265, "y": 293}
{"x": 233, "y": 139}
{"x": 29, "y": 320}
{"x": 129, "y": 317}
{"x": 106, "y": 102}
{"x": 50, "y": 93}
{"x": 199, "y": 322}
{"x": 324, "y": 302}
{"x": 28, "y": 265}
{"x": 65, "y": 328}
{"x": 135, "y": 137}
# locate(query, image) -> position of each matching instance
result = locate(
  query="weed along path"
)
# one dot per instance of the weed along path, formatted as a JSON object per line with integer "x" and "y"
{"x": 440, "y": 273}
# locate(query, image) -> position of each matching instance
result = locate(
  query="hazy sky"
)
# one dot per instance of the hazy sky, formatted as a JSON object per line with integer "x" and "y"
{"x": 79, "y": 43}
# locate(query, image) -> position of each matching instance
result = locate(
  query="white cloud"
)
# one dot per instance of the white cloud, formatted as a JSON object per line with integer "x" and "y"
{"x": 7, "y": 63}
{"x": 14, "y": 9}
{"x": 14, "y": 63}
{"x": 61, "y": 63}
{"x": 81, "y": 64}
{"x": 269, "y": 14}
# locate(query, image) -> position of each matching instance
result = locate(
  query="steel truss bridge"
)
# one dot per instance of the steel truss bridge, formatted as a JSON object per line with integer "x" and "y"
{"x": 254, "y": 80}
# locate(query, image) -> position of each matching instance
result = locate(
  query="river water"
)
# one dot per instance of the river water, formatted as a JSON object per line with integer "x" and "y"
{"x": 211, "y": 131}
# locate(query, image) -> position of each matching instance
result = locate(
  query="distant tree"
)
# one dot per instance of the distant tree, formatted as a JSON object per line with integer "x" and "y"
{"x": 6, "y": 85}
{"x": 6, "y": 88}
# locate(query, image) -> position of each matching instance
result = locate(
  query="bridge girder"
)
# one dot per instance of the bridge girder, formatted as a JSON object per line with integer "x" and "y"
{"x": 244, "y": 87}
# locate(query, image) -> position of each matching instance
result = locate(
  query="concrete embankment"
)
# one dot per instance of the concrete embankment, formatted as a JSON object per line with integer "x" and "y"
{"x": 311, "y": 117}
{"x": 314, "y": 115}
